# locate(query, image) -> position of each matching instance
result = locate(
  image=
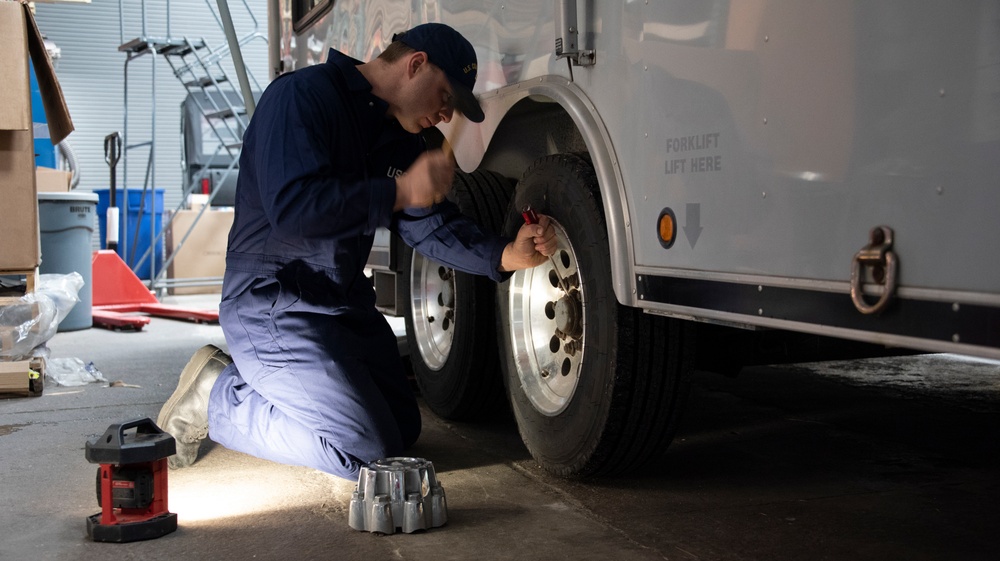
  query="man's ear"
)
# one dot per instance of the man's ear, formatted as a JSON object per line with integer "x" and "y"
{"x": 416, "y": 60}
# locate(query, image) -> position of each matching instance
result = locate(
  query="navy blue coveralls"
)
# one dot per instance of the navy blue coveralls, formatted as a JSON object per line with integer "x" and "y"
{"x": 317, "y": 379}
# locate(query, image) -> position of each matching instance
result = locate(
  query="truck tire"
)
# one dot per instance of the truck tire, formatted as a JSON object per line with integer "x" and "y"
{"x": 451, "y": 323}
{"x": 596, "y": 388}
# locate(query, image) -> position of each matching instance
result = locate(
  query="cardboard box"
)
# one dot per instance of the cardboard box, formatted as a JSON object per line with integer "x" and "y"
{"x": 19, "y": 213}
{"x": 203, "y": 255}
{"x": 48, "y": 180}
{"x": 23, "y": 377}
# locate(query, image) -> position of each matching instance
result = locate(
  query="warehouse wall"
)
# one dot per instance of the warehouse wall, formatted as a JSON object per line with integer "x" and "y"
{"x": 91, "y": 72}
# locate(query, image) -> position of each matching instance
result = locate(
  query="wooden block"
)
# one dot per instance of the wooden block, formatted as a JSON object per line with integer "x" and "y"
{"x": 23, "y": 377}
{"x": 30, "y": 278}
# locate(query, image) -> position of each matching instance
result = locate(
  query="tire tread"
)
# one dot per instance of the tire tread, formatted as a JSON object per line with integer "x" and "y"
{"x": 649, "y": 357}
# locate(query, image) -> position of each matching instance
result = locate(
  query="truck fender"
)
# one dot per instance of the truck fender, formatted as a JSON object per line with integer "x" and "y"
{"x": 472, "y": 143}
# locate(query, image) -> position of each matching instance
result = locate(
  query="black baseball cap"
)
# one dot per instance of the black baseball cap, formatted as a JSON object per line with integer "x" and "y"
{"x": 453, "y": 54}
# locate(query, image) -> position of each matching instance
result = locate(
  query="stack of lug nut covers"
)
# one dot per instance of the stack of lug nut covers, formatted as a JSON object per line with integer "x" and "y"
{"x": 398, "y": 494}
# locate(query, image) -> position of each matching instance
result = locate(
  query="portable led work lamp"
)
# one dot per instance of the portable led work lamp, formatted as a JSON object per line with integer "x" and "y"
{"x": 131, "y": 483}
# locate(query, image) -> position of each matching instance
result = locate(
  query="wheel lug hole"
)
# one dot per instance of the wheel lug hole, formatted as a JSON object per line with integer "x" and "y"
{"x": 554, "y": 344}
{"x": 440, "y": 299}
{"x": 554, "y": 278}
{"x": 550, "y": 310}
{"x": 565, "y": 367}
{"x": 564, "y": 258}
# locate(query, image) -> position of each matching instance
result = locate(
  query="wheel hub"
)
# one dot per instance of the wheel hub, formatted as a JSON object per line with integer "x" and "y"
{"x": 566, "y": 314}
{"x": 432, "y": 300}
{"x": 548, "y": 328}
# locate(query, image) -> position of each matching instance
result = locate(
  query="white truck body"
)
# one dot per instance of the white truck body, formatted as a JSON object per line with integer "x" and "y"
{"x": 774, "y": 135}
{"x": 779, "y": 133}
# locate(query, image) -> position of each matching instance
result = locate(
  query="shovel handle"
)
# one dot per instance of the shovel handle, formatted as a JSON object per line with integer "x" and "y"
{"x": 112, "y": 153}
{"x": 113, "y": 149}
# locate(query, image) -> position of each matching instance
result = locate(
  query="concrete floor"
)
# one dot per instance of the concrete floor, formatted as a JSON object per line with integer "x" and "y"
{"x": 804, "y": 462}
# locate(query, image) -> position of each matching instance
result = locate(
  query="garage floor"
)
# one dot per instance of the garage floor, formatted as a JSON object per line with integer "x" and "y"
{"x": 780, "y": 463}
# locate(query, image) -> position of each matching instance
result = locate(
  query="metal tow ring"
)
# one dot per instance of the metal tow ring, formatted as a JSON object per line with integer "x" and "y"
{"x": 879, "y": 256}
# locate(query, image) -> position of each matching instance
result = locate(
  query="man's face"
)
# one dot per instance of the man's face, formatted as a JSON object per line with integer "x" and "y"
{"x": 427, "y": 99}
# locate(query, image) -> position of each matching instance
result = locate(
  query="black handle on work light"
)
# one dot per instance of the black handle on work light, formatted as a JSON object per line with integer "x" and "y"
{"x": 148, "y": 443}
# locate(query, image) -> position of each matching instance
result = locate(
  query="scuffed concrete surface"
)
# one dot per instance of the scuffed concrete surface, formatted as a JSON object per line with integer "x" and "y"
{"x": 961, "y": 380}
{"x": 872, "y": 460}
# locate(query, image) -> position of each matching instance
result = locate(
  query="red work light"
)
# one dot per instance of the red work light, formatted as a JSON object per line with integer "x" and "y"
{"x": 131, "y": 483}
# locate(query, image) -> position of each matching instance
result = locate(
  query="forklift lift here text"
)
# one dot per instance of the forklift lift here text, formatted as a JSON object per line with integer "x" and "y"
{"x": 676, "y": 163}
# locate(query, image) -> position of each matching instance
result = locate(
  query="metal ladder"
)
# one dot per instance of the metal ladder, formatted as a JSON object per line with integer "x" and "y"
{"x": 198, "y": 67}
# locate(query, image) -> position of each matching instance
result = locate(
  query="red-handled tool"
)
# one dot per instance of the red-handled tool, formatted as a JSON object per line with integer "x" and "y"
{"x": 531, "y": 217}
{"x": 529, "y": 214}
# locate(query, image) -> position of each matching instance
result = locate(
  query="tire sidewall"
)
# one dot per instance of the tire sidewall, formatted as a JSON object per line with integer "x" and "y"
{"x": 440, "y": 388}
{"x": 563, "y": 187}
{"x": 467, "y": 386}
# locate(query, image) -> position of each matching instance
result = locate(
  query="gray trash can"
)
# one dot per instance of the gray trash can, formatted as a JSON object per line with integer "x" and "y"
{"x": 66, "y": 222}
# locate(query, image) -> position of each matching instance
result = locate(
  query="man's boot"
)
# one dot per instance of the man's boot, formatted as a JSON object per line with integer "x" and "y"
{"x": 185, "y": 414}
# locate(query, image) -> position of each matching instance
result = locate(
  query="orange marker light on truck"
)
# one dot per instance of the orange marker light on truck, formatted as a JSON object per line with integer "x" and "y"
{"x": 666, "y": 227}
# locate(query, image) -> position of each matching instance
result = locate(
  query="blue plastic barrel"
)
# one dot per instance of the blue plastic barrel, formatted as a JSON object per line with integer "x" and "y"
{"x": 45, "y": 152}
{"x": 146, "y": 214}
{"x": 66, "y": 227}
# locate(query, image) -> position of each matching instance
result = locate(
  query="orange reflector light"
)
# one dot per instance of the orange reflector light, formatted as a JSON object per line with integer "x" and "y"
{"x": 666, "y": 227}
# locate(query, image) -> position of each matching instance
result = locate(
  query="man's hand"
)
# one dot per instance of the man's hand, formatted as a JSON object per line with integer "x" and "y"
{"x": 532, "y": 246}
{"x": 427, "y": 182}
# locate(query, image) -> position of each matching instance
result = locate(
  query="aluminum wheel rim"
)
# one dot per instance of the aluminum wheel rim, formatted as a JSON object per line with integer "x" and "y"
{"x": 432, "y": 301}
{"x": 548, "y": 360}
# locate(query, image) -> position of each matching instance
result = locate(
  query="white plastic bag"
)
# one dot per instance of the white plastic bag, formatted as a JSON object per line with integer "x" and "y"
{"x": 35, "y": 317}
{"x": 72, "y": 372}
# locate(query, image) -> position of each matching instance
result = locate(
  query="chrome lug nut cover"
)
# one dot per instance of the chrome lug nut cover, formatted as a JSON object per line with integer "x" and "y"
{"x": 398, "y": 495}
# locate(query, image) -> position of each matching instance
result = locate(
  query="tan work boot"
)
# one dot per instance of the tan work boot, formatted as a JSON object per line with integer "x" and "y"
{"x": 185, "y": 414}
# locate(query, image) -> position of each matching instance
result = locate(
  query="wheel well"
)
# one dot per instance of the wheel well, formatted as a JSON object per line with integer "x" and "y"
{"x": 554, "y": 118}
{"x": 534, "y": 127}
